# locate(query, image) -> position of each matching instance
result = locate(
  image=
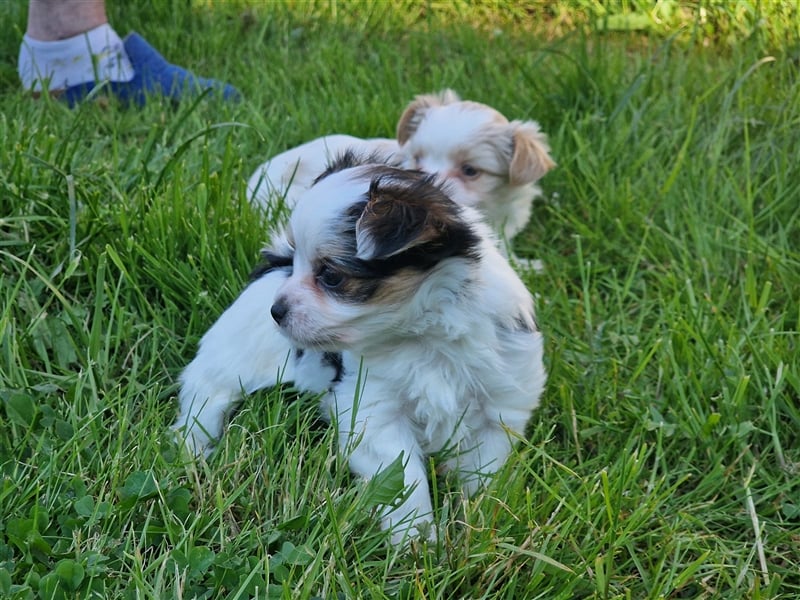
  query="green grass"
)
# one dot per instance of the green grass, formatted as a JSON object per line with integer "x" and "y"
{"x": 665, "y": 459}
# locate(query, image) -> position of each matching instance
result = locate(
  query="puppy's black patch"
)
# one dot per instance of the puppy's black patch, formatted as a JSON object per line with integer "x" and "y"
{"x": 410, "y": 219}
{"x": 271, "y": 261}
{"x": 334, "y": 360}
{"x": 349, "y": 158}
{"x": 329, "y": 359}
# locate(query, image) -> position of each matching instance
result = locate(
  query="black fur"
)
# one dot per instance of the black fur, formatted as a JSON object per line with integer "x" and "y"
{"x": 334, "y": 360}
{"x": 330, "y": 359}
{"x": 398, "y": 214}
{"x": 270, "y": 261}
{"x": 350, "y": 158}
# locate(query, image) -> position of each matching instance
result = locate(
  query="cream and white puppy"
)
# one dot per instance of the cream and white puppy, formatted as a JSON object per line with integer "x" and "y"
{"x": 492, "y": 164}
{"x": 395, "y": 302}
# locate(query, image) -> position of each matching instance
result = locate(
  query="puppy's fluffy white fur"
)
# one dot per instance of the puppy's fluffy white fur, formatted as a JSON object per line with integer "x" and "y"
{"x": 492, "y": 164}
{"x": 395, "y": 302}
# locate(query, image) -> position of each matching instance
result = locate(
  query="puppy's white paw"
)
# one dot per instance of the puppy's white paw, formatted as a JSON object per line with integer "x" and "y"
{"x": 411, "y": 520}
{"x": 408, "y": 530}
{"x": 194, "y": 440}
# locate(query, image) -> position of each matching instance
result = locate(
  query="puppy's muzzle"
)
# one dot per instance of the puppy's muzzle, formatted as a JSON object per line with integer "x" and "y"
{"x": 279, "y": 311}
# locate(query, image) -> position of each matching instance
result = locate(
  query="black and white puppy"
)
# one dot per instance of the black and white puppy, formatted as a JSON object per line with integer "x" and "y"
{"x": 395, "y": 302}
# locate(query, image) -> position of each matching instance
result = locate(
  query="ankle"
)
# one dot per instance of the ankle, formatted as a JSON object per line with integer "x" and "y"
{"x": 96, "y": 55}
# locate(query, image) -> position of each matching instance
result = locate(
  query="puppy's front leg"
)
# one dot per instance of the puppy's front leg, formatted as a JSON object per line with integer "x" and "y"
{"x": 480, "y": 454}
{"x": 242, "y": 352}
{"x": 372, "y": 435}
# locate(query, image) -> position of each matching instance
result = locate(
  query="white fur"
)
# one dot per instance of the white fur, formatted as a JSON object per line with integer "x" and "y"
{"x": 456, "y": 363}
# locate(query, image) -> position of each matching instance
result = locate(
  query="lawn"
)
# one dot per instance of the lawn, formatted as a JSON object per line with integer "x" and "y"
{"x": 664, "y": 461}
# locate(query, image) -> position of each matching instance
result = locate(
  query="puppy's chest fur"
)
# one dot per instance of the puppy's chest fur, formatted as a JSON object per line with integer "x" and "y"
{"x": 437, "y": 386}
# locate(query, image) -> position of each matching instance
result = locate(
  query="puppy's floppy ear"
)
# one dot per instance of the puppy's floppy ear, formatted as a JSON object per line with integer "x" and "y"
{"x": 401, "y": 217}
{"x": 530, "y": 158}
{"x": 412, "y": 116}
{"x": 392, "y": 221}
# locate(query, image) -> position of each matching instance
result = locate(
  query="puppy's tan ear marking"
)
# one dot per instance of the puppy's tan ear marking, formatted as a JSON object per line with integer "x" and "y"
{"x": 530, "y": 159}
{"x": 412, "y": 115}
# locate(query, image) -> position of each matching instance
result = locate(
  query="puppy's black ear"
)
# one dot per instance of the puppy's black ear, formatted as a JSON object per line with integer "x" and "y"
{"x": 412, "y": 116}
{"x": 530, "y": 158}
{"x": 400, "y": 217}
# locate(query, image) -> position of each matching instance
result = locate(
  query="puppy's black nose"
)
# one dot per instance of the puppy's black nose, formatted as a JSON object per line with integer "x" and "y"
{"x": 279, "y": 310}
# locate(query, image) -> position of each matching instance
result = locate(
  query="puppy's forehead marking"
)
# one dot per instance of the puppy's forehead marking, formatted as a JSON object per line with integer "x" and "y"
{"x": 327, "y": 198}
{"x": 319, "y": 215}
{"x": 330, "y": 196}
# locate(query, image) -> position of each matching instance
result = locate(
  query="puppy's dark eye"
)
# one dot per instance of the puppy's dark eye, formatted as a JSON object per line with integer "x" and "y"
{"x": 469, "y": 171}
{"x": 329, "y": 278}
